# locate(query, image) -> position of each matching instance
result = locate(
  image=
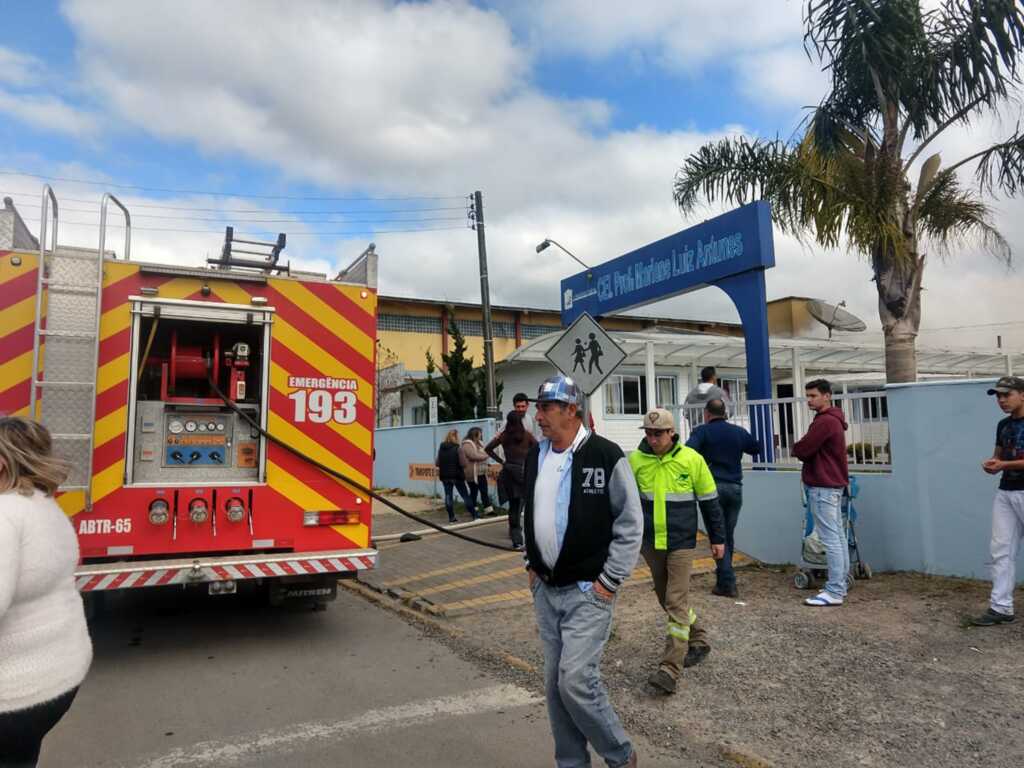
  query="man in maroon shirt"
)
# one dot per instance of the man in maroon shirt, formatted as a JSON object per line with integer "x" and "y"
{"x": 825, "y": 475}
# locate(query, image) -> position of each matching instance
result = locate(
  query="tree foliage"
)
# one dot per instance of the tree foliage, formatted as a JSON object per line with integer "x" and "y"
{"x": 900, "y": 77}
{"x": 460, "y": 389}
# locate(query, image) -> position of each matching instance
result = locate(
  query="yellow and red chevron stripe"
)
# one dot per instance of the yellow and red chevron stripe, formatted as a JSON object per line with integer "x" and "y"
{"x": 17, "y": 320}
{"x": 320, "y": 330}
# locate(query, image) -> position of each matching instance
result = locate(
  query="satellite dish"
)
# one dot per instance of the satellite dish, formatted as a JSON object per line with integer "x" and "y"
{"x": 834, "y": 317}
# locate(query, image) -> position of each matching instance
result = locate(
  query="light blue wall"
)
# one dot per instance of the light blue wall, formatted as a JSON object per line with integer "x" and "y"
{"x": 932, "y": 514}
{"x": 398, "y": 447}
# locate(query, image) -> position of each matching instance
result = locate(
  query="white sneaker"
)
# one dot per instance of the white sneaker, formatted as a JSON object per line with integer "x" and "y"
{"x": 823, "y": 600}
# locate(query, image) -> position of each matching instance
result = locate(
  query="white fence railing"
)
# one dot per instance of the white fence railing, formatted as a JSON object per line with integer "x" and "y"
{"x": 786, "y": 419}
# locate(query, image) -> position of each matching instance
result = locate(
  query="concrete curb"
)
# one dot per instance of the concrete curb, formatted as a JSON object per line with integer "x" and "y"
{"x": 418, "y": 611}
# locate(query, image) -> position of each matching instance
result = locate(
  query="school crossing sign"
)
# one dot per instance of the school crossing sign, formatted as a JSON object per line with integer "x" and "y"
{"x": 586, "y": 354}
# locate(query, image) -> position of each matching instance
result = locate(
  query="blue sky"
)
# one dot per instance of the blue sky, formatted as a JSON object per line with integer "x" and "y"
{"x": 572, "y": 117}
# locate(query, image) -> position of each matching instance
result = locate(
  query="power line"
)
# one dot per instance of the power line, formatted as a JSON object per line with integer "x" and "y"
{"x": 979, "y": 325}
{"x": 171, "y": 191}
{"x": 290, "y": 235}
{"x": 226, "y": 220}
{"x": 199, "y": 209}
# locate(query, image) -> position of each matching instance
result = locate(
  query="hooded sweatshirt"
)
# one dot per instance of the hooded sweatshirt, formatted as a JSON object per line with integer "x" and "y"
{"x": 703, "y": 392}
{"x": 823, "y": 451}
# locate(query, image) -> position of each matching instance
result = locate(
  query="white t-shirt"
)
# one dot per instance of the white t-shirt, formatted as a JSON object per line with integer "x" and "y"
{"x": 545, "y": 496}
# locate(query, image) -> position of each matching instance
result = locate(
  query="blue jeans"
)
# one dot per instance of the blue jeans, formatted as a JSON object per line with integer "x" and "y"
{"x": 730, "y": 497}
{"x": 825, "y": 506}
{"x": 449, "y": 497}
{"x": 574, "y": 627}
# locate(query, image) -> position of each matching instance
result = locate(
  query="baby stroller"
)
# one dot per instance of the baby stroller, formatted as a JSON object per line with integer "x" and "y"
{"x": 814, "y": 564}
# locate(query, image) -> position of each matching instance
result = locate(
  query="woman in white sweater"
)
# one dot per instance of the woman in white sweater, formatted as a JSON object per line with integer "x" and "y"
{"x": 45, "y": 649}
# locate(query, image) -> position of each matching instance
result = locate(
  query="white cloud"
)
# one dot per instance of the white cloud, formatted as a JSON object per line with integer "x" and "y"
{"x": 19, "y": 69}
{"x": 436, "y": 98}
{"x": 48, "y": 113}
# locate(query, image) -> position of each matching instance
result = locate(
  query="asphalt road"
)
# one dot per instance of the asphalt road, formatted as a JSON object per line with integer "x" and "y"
{"x": 188, "y": 681}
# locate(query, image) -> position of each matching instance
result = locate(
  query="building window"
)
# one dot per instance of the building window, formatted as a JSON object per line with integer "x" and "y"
{"x": 626, "y": 394}
{"x": 409, "y": 323}
{"x": 666, "y": 391}
{"x": 532, "y": 331}
{"x": 420, "y": 415}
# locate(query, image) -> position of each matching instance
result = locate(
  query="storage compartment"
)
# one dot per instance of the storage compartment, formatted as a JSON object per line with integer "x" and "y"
{"x": 184, "y": 356}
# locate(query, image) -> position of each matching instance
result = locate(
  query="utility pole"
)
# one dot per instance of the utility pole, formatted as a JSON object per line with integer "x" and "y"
{"x": 485, "y": 302}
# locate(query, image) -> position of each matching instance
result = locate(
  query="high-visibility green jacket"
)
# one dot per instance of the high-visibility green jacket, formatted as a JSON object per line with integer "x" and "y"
{"x": 671, "y": 487}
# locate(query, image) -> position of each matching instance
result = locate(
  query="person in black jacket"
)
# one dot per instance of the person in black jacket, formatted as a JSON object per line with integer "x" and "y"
{"x": 722, "y": 445}
{"x": 449, "y": 470}
{"x": 583, "y": 529}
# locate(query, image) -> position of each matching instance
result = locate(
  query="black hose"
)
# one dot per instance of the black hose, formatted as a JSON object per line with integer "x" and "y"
{"x": 335, "y": 473}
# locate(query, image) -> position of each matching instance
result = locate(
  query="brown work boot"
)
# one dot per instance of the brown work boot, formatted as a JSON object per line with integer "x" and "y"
{"x": 663, "y": 681}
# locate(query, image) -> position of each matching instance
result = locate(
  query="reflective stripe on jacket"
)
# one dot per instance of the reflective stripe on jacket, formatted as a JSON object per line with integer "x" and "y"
{"x": 670, "y": 488}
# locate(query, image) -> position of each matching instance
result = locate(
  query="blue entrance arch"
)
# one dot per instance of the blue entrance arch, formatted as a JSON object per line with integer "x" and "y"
{"x": 731, "y": 251}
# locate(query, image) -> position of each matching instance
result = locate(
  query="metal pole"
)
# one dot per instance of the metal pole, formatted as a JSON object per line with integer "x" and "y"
{"x": 485, "y": 301}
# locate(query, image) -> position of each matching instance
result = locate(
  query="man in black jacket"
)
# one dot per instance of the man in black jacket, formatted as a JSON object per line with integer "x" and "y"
{"x": 583, "y": 530}
{"x": 722, "y": 445}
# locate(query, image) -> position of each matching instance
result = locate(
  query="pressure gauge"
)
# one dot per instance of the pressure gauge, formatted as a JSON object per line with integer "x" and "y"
{"x": 190, "y": 426}
{"x": 220, "y": 427}
{"x": 175, "y": 427}
{"x": 211, "y": 427}
{"x": 202, "y": 427}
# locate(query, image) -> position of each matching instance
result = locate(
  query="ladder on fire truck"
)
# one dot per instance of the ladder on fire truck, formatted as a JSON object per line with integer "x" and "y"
{"x": 66, "y": 340}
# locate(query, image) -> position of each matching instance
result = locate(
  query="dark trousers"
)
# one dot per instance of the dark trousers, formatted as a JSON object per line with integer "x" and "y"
{"x": 450, "y": 486}
{"x": 22, "y": 731}
{"x": 515, "y": 528}
{"x": 730, "y": 497}
{"x": 479, "y": 492}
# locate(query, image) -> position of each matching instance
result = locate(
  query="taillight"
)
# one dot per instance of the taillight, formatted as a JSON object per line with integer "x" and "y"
{"x": 330, "y": 517}
{"x": 235, "y": 510}
{"x": 159, "y": 513}
{"x": 198, "y": 512}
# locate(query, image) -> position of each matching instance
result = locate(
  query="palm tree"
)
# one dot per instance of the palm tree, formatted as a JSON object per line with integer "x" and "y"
{"x": 900, "y": 78}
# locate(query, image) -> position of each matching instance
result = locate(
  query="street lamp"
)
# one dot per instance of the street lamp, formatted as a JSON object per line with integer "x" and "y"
{"x": 543, "y": 244}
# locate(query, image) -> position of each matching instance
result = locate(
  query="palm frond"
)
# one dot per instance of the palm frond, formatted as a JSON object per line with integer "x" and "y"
{"x": 950, "y": 215}
{"x": 1001, "y": 167}
{"x": 977, "y": 47}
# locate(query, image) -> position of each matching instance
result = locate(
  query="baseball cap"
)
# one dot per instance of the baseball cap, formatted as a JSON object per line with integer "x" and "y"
{"x": 558, "y": 389}
{"x": 1007, "y": 383}
{"x": 658, "y": 418}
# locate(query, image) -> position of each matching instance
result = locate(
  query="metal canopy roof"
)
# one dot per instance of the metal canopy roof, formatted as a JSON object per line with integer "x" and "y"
{"x": 680, "y": 349}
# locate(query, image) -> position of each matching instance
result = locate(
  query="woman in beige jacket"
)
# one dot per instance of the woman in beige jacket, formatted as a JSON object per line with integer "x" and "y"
{"x": 474, "y": 465}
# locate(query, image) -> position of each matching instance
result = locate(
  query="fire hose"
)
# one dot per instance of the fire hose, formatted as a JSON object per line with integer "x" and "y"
{"x": 348, "y": 480}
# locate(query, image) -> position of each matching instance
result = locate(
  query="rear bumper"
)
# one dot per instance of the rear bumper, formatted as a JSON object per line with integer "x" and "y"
{"x": 158, "y": 573}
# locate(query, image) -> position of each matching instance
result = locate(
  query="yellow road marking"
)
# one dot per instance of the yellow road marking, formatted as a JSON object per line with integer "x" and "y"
{"x": 451, "y": 569}
{"x": 473, "y": 602}
{"x": 493, "y": 576}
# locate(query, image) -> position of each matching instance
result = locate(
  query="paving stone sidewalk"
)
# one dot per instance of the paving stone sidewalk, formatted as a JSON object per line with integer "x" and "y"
{"x": 450, "y": 577}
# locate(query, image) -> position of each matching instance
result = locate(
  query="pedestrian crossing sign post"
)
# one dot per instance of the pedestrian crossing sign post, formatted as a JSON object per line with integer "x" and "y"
{"x": 586, "y": 353}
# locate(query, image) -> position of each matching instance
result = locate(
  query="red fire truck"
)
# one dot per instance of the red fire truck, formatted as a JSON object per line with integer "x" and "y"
{"x": 193, "y": 405}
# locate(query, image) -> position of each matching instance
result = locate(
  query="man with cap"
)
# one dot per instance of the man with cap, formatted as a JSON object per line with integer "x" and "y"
{"x": 673, "y": 480}
{"x": 583, "y": 527}
{"x": 1008, "y": 507}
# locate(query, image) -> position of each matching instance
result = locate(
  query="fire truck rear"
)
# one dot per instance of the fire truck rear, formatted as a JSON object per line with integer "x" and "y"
{"x": 163, "y": 385}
